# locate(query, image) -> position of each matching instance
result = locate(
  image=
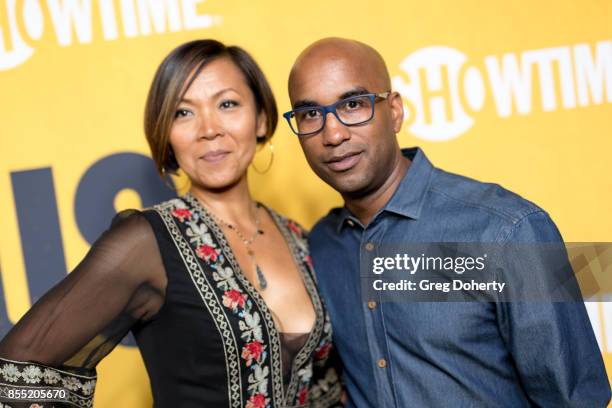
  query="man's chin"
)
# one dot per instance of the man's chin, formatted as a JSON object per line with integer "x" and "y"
{"x": 347, "y": 184}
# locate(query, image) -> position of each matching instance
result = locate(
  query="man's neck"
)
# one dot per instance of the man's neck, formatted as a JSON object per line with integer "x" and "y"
{"x": 365, "y": 207}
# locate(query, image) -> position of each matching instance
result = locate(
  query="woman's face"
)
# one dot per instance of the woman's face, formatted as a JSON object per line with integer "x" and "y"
{"x": 214, "y": 132}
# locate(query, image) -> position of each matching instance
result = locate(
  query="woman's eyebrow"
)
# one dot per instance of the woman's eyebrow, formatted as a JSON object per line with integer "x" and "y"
{"x": 187, "y": 100}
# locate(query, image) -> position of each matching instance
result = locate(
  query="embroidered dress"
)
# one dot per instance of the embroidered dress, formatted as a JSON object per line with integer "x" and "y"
{"x": 211, "y": 343}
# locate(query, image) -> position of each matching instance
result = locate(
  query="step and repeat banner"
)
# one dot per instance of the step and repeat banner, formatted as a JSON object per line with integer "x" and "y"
{"x": 518, "y": 93}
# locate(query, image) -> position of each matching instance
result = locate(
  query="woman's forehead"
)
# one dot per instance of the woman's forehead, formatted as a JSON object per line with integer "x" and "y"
{"x": 218, "y": 75}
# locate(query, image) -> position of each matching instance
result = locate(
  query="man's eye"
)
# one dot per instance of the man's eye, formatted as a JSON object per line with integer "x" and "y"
{"x": 307, "y": 114}
{"x": 228, "y": 104}
{"x": 353, "y": 104}
{"x": 312, "y": 113}
{"x": 181, "y": 112}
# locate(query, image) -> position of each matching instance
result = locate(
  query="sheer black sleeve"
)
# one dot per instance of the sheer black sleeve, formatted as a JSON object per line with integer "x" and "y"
{"x": 50, "y": 355}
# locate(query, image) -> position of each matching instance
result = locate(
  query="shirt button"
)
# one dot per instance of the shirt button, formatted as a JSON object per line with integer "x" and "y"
{"x": 372, "y": 304}
{"x": 369, "y": 246}
{"x": 351, "y": 223}
{"x": 382, "y": 363}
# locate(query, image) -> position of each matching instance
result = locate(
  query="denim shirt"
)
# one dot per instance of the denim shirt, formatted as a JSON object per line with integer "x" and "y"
{"x": 437, "y": 354}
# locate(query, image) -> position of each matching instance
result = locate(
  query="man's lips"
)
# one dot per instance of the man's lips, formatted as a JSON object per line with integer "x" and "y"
{"x": 343, "y": 162}
{"x": 214, "y": 155}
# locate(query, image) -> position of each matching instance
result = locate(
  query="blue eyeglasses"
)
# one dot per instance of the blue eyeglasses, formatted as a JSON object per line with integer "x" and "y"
{"x": 351, "y": 111}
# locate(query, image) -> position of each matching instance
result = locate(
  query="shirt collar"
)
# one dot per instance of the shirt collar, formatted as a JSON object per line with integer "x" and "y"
{"x": 408, "y": 198}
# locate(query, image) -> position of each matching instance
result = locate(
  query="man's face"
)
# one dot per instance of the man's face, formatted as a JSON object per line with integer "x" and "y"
{"x": 354, "y": 160}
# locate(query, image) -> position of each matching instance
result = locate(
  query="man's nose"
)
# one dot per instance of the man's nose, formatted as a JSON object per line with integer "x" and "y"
{"x": 334, "y": 131}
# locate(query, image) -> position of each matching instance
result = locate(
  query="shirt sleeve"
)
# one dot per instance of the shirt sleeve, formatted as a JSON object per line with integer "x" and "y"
{"x": 552, "y": 343}
{"x": 50, "y": 355}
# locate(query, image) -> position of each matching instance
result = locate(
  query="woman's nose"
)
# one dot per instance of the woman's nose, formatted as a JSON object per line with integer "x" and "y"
{"x": 209, "y": 125}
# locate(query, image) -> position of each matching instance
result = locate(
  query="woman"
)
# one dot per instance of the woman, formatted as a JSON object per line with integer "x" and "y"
{"x": 217, "y": 289}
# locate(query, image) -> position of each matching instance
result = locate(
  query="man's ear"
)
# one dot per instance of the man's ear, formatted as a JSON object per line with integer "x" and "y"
{"x": 262, "y": 124}
{"x": 397, "y": 111}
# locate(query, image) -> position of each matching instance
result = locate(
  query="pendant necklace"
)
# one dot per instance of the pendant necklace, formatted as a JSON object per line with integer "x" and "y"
{"x": 261, "y": 279}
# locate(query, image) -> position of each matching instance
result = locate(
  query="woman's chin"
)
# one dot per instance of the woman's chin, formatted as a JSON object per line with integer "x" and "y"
{"x": 217, "y": 183}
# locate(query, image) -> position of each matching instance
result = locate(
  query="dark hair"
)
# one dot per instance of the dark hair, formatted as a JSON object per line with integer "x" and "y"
{"x": 172, "y": 76}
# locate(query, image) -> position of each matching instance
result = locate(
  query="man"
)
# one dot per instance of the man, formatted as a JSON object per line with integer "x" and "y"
{"x": 424, "y": 354}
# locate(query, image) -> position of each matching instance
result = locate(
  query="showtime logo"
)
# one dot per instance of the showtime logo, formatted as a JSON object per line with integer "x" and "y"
{"x": 23, "y": 23}
{"x": 442, "y": 92}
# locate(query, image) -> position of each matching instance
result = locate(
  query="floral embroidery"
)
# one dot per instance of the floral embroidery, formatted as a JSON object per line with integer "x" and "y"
{"x": 322, "y": 352}
{"x": 257, "y": 401}
{"x": 234, "y": 299}
{"x": 252, "y": 351}
{"x": 329, "y": 384}
{"x": 299, "y": 240}
{"x": 303, "y": 395}
{"x": 292, "y": 225}
{"x": 308, "y": 260}
{"x": 225, "y": 279}
{"x": 198, "y": 234}
{"x": 31, "y": 374}
{"x": 305, "y": 373}
{"x": 88, "y": 387}
{"x": 11, "y": 372}
{"x": 71, "y": 383}
{"x": 258, "y": 380}
{"x": 51, "y": 376}
{"x": 250, "y": 326}
{"x": 207, "y": 253}
{"x": 182, "y": 214}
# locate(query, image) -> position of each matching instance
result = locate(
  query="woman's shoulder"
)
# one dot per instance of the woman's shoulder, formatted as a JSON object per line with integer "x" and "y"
{"x": 150, "y": 213}
{"x": 146, "y": 223}
{"x": 131, "y": 226}
{"x": 167, "y": 205}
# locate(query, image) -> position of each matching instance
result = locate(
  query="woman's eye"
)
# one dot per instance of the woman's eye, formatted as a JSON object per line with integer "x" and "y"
{"x": 181, "y": 112}
{"x": 228, "y": 104}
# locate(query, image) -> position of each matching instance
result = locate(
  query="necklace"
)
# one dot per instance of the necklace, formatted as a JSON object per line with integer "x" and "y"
{"x": 261, "y": 279}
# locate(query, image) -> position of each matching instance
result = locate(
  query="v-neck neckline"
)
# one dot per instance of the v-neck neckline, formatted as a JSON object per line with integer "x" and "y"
{"x": 315, "y": 331}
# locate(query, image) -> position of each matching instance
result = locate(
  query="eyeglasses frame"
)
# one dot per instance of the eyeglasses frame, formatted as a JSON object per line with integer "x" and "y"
{"x": 332, "y": 109}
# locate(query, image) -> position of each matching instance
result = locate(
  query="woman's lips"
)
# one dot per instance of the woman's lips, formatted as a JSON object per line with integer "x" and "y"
{"x": 215, "y": 156}
{"x": 344, "y": 162}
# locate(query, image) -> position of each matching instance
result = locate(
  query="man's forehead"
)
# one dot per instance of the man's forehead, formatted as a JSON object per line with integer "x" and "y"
{"x": 333, "y": 79}
{"x": 332, "y": 67}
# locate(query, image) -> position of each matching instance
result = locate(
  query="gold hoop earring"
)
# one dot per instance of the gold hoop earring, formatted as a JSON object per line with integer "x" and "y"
{"x": 269, "y": 164}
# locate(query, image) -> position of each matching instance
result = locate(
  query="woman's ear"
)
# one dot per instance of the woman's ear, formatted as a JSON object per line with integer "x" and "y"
{"x": 262, "y": 125}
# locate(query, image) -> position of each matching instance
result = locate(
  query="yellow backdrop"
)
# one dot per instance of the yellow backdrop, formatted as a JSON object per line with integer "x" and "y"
{"x": 512, "y": 92}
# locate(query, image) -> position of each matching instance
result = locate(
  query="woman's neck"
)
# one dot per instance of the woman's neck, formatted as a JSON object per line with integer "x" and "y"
{"x": 233, "y": 205}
